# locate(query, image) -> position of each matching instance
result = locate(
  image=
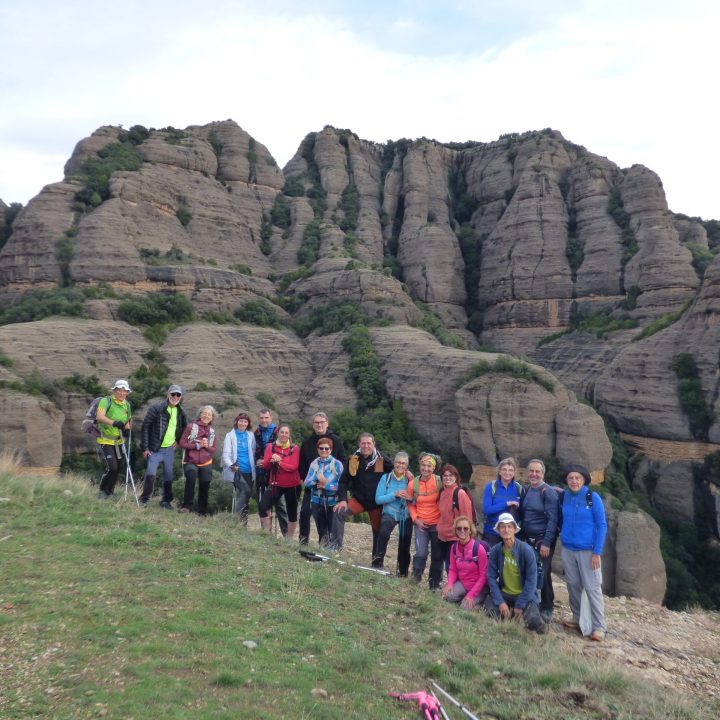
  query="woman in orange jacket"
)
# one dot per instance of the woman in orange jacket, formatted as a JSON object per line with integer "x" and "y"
{"x": 425, "y": 513}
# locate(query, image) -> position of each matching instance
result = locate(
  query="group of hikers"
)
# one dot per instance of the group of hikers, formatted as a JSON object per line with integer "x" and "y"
{"x": 505, "y": 569}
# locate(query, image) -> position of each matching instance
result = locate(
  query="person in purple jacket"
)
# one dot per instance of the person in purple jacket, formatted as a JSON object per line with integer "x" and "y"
{"x": 583, "y": 533}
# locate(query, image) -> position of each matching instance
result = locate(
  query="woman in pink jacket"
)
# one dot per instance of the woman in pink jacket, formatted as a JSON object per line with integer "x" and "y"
{"x": 467, "y": 577}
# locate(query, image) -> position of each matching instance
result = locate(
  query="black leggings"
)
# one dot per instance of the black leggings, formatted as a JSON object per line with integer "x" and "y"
{"x": 111, "y": 454}
{"x": 204, "y": 475}
{"x": 271, "y": 497}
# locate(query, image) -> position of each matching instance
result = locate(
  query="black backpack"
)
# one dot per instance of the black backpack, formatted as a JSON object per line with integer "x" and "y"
{"x": 456, "y": 502}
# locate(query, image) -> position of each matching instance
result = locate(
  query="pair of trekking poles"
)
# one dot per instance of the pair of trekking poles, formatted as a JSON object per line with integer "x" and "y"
{"x": 429, "y": 704}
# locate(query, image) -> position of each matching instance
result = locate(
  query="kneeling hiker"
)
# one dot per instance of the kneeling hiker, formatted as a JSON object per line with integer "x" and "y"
{"x": 467, "y": 575}
{"x": 512, "y": 577}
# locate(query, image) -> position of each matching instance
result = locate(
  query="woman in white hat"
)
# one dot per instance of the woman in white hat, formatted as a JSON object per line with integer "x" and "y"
{"x": 113, "y": 419}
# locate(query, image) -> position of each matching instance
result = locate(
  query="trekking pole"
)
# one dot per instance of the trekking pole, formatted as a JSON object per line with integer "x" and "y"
{"x": 128, "y": 472}
{"x": 442, "y": 709}
{"x": 317, "y": 557}
{"x": 457, "y": 704}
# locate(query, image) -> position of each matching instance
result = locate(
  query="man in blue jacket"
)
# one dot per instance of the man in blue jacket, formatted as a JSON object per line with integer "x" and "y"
{"x": 583, "y": 533}
{"x": 512, "y": 578}
{"x": 539, "y": 520}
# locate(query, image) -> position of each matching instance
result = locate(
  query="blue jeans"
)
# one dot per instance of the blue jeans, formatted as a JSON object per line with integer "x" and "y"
{"x": 424, "y": 537}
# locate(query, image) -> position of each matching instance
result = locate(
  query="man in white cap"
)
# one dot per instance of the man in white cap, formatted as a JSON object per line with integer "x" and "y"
{"x": 512, "y": 577}
{"x": 113, "y": 418}
{"x": 161, "y": 430}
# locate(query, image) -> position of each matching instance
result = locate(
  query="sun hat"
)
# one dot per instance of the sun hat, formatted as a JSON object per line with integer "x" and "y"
{"x": 506, "y": 518}
{"x": 121, "y": 385}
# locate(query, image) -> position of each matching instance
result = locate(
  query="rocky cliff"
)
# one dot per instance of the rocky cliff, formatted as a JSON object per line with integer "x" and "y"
{"x": 458, "y": 256}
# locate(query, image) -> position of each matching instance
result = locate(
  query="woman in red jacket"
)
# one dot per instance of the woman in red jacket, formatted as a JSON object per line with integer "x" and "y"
{"x": 199, "y": 443}
{"x": 281, "y": 462}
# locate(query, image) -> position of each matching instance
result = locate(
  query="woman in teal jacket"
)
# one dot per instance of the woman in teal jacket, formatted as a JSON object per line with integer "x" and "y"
{"x": 392, "y": 494}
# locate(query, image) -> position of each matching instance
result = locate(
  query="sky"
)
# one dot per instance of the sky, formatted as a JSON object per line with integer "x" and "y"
{"x": 631, "y": 80}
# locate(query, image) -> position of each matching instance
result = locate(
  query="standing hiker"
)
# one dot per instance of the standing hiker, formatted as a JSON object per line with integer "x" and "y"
{"x": 360, "y": 478}
{"x": 114, "y": 419}
{"x": 161, "y": 430}
{"x": 199, "y": 443}
{"x": 238, "y": 461}
{"x": 281, "y": 462}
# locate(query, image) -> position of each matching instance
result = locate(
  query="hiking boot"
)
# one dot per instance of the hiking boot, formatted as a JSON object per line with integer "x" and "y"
{"x": 546, "y": 615}
{"x": 542, "y": 629}
{"x": 102, "y": 495}
{"x": 571, "y": 624}
{"x": 143, "y": 503}
{"x": 597, "y": 635}
{"x": 165, "y": 505}
{"x": 184, "y": 510}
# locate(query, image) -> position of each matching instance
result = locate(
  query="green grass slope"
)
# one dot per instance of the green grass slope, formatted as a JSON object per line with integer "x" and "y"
{"x": 107, "y": 610}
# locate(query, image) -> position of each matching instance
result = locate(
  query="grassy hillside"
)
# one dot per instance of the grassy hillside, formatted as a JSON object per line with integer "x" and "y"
{"x": 111, "y": 611}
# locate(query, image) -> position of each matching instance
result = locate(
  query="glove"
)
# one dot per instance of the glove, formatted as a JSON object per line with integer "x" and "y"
{"x": 119, "y": 424}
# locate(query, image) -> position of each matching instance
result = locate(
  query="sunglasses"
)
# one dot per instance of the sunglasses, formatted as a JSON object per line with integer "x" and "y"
{"x": 462, "y": 529}
{"x": 175, "y": 394}
{"x": 324, "y": 447}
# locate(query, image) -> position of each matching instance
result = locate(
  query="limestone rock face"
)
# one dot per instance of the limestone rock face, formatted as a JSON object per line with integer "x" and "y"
{"x": 497, "y": 414}
{"x": 24, "y": 419}
{"x": 255, "y": 359}
{"x": 428, "y": 248}
{"x": 670, "y": 487}
{"x": 29, "y": 258}
{"x": 379, "y": 296}
{"x": 639, "y": 567}
{"x": 581, "y": 437}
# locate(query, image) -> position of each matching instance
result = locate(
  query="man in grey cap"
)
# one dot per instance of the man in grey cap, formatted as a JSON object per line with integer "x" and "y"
{"x": 161, "y": 430}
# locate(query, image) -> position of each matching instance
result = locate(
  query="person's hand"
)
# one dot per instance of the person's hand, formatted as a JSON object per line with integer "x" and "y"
{"x": 321, "y": 481}
{"x": 595, "y": 561}
{"x": 342, "y": 505}
{"x": 468, "y": 603}
{"x": 517, "y": 613}
{"x": 146, "y": 454}
{"x": 275, "y": 458}
{"x": 544, "y": 551}
{"x": 419, "y": 523}
{"x": 234, "y": 467}
{"x": 204, "y": 442}
{"x": 446, "y": 591}
{"x": 504, "y": 610}
{"x": 513, "y": 504}
{"x": 119, "y": 424}
{"x": 128, "y": 426}
{"x": 404, "y": 494}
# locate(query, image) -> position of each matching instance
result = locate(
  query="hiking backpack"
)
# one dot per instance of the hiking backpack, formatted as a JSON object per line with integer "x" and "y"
{"x": 456, "y": 502}
{"x": 475, "y": 549}
{"x": 89, "y": 424}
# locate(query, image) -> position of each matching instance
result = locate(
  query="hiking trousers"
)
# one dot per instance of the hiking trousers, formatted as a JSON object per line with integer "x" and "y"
{"x": 204, "y": 475}
{"x": 387, "y": 525}
{"x": 531, "y": 612}
{"x": 164, "y": 456}
{"x": 580, "y": 576}
{"x": 425, "y": 538}
{"x": 242, "y": 490}
{"x": 112, "y": 455}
